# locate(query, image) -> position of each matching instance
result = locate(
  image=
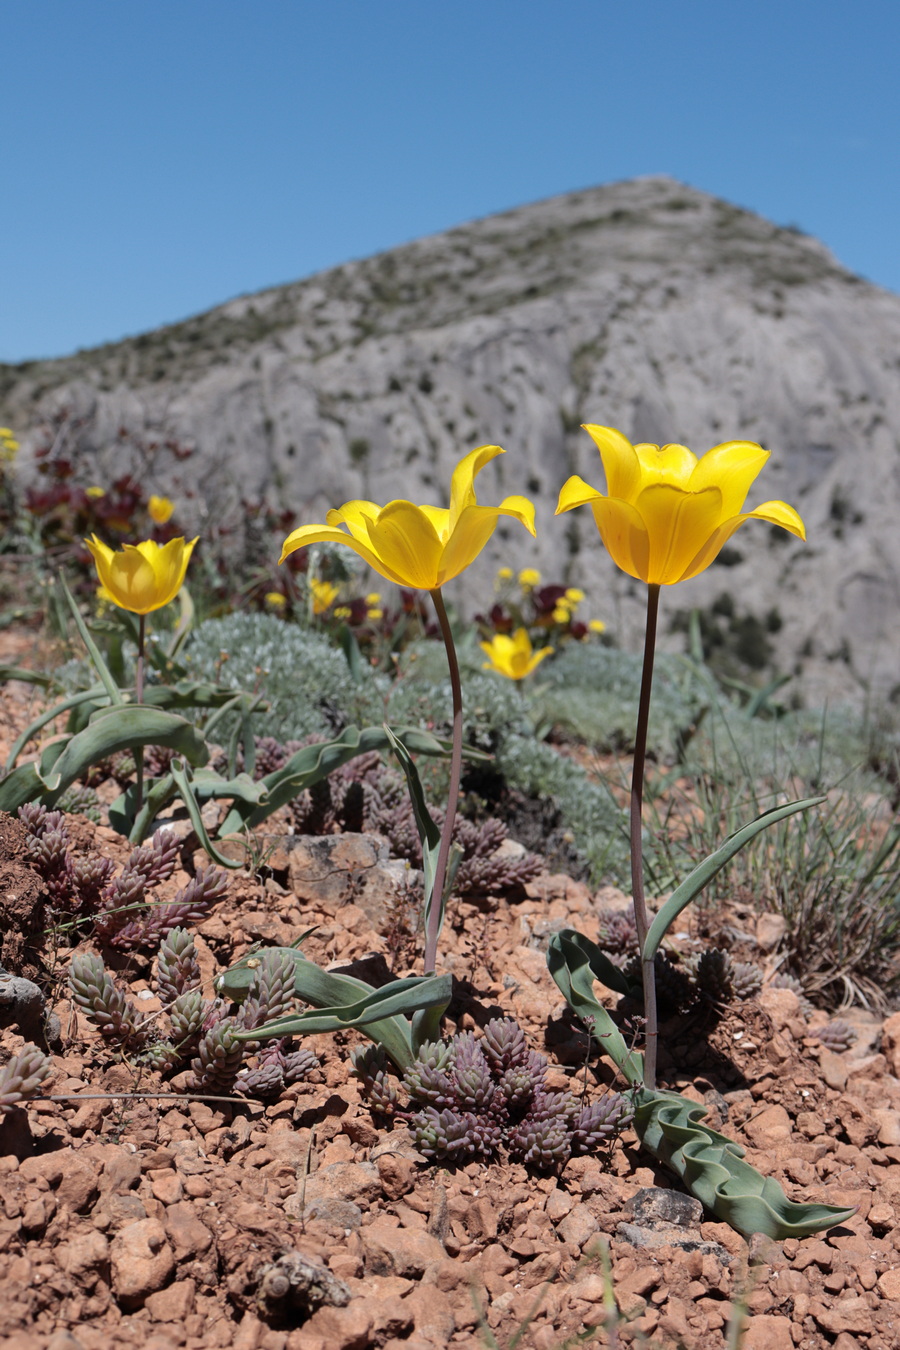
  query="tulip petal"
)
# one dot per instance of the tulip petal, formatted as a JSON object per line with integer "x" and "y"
{"x": 732, "y": 467}
{"x": 440, "y": 519}
{"x": 462, "y": 484}
{"x": 620, "y": 462}
{"x": 575, "y": 492}
{"x": 624, "y": 535}
{"x": 675, "y": 520}
{"x": 670, "y": 464}
{"x": 473, "y": 529}
{"x": 326, "y": 534}
{"x": 779, "y": 513}
{"x": 776, "y": 513}
{"x": 407, "y": 545}
{"x": 521, "y": 509}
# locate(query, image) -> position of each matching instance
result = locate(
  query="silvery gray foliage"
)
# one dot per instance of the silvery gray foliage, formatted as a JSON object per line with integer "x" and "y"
{"x": 476, "y": 1096}
{"x": 22, "y": 1077}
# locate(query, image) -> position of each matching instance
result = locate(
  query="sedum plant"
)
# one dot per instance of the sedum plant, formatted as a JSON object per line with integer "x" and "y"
{"x": 470, "y": 1097}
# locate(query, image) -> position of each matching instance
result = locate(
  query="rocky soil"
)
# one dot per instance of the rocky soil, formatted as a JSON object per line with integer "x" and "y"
{"x": 135, "y": 1220}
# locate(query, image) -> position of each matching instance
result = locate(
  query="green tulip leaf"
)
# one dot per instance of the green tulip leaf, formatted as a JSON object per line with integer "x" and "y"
{"x": 341, "y": 1001}
{"x": 704, "y": 872}
{"x": 183, "y": 780}
{"x": 111, "y": 730}
{"x": 429, "y": 834}
{"x": 669, "y": 1125}
{"x": 314, "y": 762}
{"x": 109, "y": 684}
{"x": 713, "y": 1169}
{"x": 87, "y": 696}
{"x": 574, "y": 963}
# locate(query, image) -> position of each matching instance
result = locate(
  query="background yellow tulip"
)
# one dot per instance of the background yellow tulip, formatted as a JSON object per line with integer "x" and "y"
{"x": 141, "y": 577}
{"x": 666, "y": 513}
{"x": 419, "y": 546}
{"x": 513, "y": 656}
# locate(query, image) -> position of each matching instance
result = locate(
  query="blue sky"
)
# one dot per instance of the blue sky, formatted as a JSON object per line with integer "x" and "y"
{"x": 158, "y": 158}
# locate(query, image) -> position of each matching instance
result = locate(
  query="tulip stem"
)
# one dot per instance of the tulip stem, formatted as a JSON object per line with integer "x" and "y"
{"x": 641, "y": 918}
{"x": 437, "y": 899}
{"x": 139, "y": 698}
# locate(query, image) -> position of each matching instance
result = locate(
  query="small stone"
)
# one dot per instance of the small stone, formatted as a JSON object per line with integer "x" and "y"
{"x": 187, "y": 1234}
{"x": 167, "y": 1187}
{"x": 578, "y": 1226}
{"x": 173, "y": 1304}
{"x": 398, "y": 1174}
{"x": 399, "y": 1251}
{"x": 889, "y": 1284}
{"x": 141, "y": 1260}
{"x": 770, "y": 1127}
{"x": 767, "y": 1331}
{"x": 89, "y": 1251}
{"x": 341, "y": 1328}
{"x": 655, "y": 1206}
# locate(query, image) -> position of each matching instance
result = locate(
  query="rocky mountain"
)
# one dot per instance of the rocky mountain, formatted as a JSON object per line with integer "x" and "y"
{"x": 645, "y": 305}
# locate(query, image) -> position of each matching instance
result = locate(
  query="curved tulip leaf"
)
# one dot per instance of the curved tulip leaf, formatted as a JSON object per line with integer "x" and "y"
{"x": 342, "y": 1001}
{"x": 183, "y": 780}
{"x": 669, "y": 1126}
{"x": 314, "y": 762}
{"x": 76, "y": 701}
{"x": 713, "y": 1169}
{"x": 109, "y": 684}
{"x": 26, "y": 676}
{"x": 112, "y": 730}
{"x": 135, "y": 822}
{"x": 429, "y": 834}
{"x": 704, "y": 872}
{"x": 575, "y": 962}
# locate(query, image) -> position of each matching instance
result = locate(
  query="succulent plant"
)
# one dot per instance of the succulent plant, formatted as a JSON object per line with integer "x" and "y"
{"x": 22, "y": 1076}
{"x": 219, "y": 1057}
{"x": 474, "y": 1096}
{"x": 178, "y": 970}
{"x": 836, "y": 1035}
{"x": 618, "y": 933}
{"x": 93, "y": 990}
{"x": 273, "y": 991}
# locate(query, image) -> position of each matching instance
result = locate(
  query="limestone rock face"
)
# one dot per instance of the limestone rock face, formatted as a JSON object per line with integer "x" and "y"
{"x": 644, "y": 305}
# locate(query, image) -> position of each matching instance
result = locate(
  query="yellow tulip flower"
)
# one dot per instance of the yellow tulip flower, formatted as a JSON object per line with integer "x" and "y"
{"x": 324, "y": 594}
{"x": 160, "y": 509}
{"x": 513, "y": 656}
{"x": 141, "y": 577}
{"x": 667, "y": 513}
{"x": 421, "y": 547}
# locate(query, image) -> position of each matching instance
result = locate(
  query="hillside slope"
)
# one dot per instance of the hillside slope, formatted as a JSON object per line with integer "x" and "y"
{"x": 645, "y": 305}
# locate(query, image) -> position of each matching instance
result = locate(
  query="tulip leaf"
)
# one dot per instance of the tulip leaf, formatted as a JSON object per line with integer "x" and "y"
{"x": 575, "y": 962}
{"x": 429, "y": 834}
{"x": 182, "y": 778}
{"x": 341, "y": 1002}
{"x": 26, "y": 676}
{"x": 669, "y": 1125}
{"x": 314, "y": 762}
{"x": 109, "y": 684}
{"x": 704, "y": 872}
{"x": 112, "y": 730}
{"x": 713, "y": 1169}
{"x": 76, "y": 701}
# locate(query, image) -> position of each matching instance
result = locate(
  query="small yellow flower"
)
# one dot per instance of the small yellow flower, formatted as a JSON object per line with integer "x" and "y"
{"x": 513, "y": 656}
{"x": 141, "y": 577}
{"x": 276, "y": 599}
{"x": 160, "y": 509}
{"x": 666, "y": 513}
{"x": 596, "y": 625}
{"x": 373, "y": 598}
{"x": 562, "y": 614}
{"x": 504, "y": 574}
{"x": 529, "y": 577}
{"x": 421, "y": 547}
{"x": 343, "y": 612}
{"x": 324, "y": 594}
{"x": 374, "y": 614}
{"x": 95, "y": 492}
{"x": 573, "y": 597}
{"x": 6, "y": 433}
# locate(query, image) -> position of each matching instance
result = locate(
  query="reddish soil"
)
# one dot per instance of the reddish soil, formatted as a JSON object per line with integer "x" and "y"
{"x": 146, "y": 1222}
